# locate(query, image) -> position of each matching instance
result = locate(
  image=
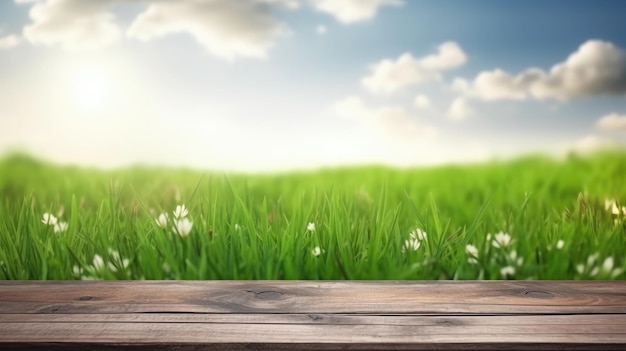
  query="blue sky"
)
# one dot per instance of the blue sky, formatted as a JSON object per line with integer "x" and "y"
{"x": 264, "y": 85}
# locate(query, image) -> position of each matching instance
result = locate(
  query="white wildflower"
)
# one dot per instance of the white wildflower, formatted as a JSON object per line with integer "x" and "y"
{"x": 180, "y": 211}
{"x": 607, "y": 266}
{"x": 310, "y": 227}
{"x": 98, "y": 262}
{"x": 237, "y": 227}
{"x": 501, "y": 240}
{"x": 60, "y": 227}
{"x": 560, "y": 244}
{"x": 49, "y": 219}
{"x": 161, "y": 221}
{"x": 182, "y": 226}
{"x": 517, "y": 260}
{"x": 591, "y": 260}
{"x": 414, "y": 241}
{"x": 77, "y": 271}
{"x": 115, "y": 256}
{"x": 580, "y": 268}
{"x": 418, "y": 234}
{"x": 472, "y": 251}
{"x": 611, "y": 205}
{"x": 411, "y": 244}
{"x": 594, "y": 271}
{"x": 316, "y": 251}
{"x": 112, "y": 267}
{"x": 507, "y": 271}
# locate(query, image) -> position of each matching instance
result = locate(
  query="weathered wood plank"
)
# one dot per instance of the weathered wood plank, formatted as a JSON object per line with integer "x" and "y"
{"x": 612, "y": 320}
{"x": 307, "y": 315}
{"x": 522, "y": 346}
{"x": 108, "y": 333}
{"x": 440, "y": 297}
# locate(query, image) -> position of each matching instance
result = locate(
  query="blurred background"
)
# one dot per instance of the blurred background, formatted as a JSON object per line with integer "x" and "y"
{"x": 273, "y": 85}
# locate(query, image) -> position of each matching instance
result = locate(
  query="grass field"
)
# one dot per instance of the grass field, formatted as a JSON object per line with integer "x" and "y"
{"x": 530, "y": 218}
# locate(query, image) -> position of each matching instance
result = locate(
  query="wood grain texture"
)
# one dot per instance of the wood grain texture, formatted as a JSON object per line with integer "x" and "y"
{"x": 312, "y": 315}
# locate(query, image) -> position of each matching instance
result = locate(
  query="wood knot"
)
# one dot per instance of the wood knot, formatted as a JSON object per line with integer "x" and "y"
{"x": 446, "y": 323}
{"x": 50, "y": 309}
{"x": 539, "y": 294}
{"x": 85, "y": 298}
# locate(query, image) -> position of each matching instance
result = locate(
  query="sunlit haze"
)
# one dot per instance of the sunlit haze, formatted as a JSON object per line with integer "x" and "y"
{"x": 266, "y": 85}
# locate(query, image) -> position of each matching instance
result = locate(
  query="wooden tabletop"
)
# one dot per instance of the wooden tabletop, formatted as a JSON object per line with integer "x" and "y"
{"x": 313, "y": 315}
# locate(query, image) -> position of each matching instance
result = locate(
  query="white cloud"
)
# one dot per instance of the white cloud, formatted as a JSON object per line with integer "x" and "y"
{"x": 321, "y": 29}
{"x": 596, "y": 68}
{"x": 592, "y": 143}
{"x": 226, "y": 28}
{"x": 612, "y": 121}
{"x": 72, "y": 24}
{"x": 449, "y": 55}
{"x": 492, "y": 85}
{"x": 9, "y": 41}
{"x": 394, "y": 122}
{"x": 422, "y": 101}
{"x": 350, "y": 11}
{"x": 389, "y": 76}
{"x": 460, "y": 109}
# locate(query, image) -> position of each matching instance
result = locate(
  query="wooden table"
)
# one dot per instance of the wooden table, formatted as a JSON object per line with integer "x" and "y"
{"x": 312, "y": 315}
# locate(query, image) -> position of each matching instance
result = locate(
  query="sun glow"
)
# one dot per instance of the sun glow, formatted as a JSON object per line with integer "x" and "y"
{"x": 91, "y": 87}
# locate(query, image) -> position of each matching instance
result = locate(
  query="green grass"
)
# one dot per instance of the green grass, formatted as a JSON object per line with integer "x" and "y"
{"x": 255, "y": 226}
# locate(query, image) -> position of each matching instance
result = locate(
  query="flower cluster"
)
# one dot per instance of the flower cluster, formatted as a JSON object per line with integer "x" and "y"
{"x": 509, "y": 261}
{"x": 504, "y": 258}
{"x": 512, "y": 261}
{"x": 501, "y": 240}
{"x": 181, "y": 225}
{"x": 591, "y": 269}
{"x": 472, "y": 252}
{"x": 415, "y": 240}
{"x": 101, "y": 268}
{"x": 50, "y": 219}
{"x": 560, "y": 244}
{"x": 316, "y": 250}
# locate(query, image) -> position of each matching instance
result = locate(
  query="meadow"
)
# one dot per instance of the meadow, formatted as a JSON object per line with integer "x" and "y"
{"x": 529, "y": 218}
